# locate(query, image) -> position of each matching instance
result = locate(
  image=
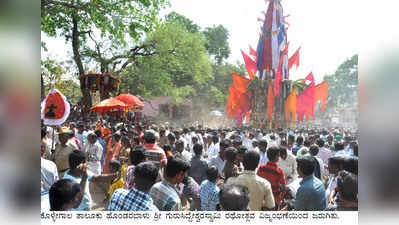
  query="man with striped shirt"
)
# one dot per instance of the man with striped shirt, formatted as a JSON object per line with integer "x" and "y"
{"x": 275, "y": 175}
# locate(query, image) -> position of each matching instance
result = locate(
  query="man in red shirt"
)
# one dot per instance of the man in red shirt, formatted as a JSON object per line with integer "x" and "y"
{"x": 275, "y": 175}
{"x": 153, "y": 152}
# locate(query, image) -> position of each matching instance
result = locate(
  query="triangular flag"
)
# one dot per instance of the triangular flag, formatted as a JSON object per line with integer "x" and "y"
{"x": 253, "y": 53}
{"x": 305, "y": 100}
{"x": 250, "y": 64}
{"x": 294, "y": 59}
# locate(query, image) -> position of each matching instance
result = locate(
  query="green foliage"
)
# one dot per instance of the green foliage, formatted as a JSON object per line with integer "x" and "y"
{"x": 105, "y": 28}
{"x": 55, "y": 75}
{"x": 180, "y": 68}
{"x": 343, "y": 84}
{"x": 190, "y": 26}
{"x": 153, "y": 58}
{"x": 223, "y": 76}
{"x": 113, "y": 19}
{"x": 217, "y": 43}
{"x": 299, "y": 85}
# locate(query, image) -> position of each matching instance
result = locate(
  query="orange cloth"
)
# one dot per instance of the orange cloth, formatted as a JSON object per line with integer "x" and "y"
{"x": 290, "y": 107}
{"x": 232, "y": 102}
{"x": 112, "y": 152}
{"x": 238, "y": 95}
{"x": 270, "y": 102}
{"x": 321, "y": 94}
{"x": 240, "y": 83}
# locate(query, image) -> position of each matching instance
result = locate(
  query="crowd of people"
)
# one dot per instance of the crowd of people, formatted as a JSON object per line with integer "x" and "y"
{"x": 148, "y": 167}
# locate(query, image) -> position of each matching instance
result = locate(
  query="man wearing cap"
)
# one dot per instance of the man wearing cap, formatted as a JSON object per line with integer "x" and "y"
{"x": 62, "y": 150}
{"x": 94, "y": 152}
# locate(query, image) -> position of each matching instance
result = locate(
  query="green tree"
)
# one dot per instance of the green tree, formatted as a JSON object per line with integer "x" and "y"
{"x": 343, "y": 84}
{"x": 223, "y": 76}
{"x": 53, "y": 74}
{"x": 217, "y": 43}
{"x": 87, "y": 25}
{"x": 190, "y": 26}
{"x": 180, "y": 69}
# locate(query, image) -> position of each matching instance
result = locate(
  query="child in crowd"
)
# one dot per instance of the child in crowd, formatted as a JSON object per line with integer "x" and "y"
{"x": 118, "y": 182}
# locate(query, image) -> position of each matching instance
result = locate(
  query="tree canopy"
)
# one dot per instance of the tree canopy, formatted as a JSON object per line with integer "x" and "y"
{"x": 153, "y": 57}
{"x": 343, "y": 84}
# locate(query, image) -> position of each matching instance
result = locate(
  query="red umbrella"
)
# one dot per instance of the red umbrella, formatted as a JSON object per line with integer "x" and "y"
{"x": 108, "y": 104}
{"x": 131, "y": 100}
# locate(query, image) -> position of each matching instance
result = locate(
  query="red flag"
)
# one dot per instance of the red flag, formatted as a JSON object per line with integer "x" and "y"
{"x": 253, "y": 53}
{"x": 250, "y": 64}
{"x": 305, "y": 100}
{"x": 294, "y": 59}
{"x": 309, "y": 78}
{"x": 279, "y": 77}
{"x": 270, "y": 102}
{"x": 277, "y": 82}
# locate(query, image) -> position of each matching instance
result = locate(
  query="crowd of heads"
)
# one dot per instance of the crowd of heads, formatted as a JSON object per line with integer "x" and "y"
{"x": 279, "y": 144}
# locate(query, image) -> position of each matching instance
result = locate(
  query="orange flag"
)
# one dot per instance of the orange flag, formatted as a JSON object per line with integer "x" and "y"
{"x": 240, "y": 83}
{"x": 321, "y": 94}
{"x": 270, "y": 102}
{"x": 290, "y": 107}
{"x": 233, "y": 102}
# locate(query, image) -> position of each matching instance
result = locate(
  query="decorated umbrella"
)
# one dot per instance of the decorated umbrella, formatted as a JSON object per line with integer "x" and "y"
{"x": 108, "y": 105}
{"x": 131, "y": 100}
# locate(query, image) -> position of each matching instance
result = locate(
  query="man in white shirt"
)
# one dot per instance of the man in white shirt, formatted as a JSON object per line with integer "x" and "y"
{"x": 247, "y": 141}
{"x": 255, "y": 144}
{"x": 48, "y": 170}
{"x": 194, "y": 140}
{"x": 263, "y": 152}
{"x": 219, "y": 160}
{"x": 271, "y": 140}
{"x": 181, "y": 152}
{"x": 94, "y": 152}
{"x": 187, "y": 137}
{"x": 213, "y": 149}
{"x": 324, "y": 153}
{"x": 287, "y": 163}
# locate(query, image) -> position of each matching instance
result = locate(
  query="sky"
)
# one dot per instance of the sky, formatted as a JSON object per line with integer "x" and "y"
{"x": 326, "y": 30}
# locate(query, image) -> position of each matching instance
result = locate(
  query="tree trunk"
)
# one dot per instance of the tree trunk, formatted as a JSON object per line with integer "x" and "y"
{"x": 86, "y": 97}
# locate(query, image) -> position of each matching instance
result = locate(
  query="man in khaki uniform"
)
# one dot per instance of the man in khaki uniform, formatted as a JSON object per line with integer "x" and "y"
{"x": 61, "y": 153}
